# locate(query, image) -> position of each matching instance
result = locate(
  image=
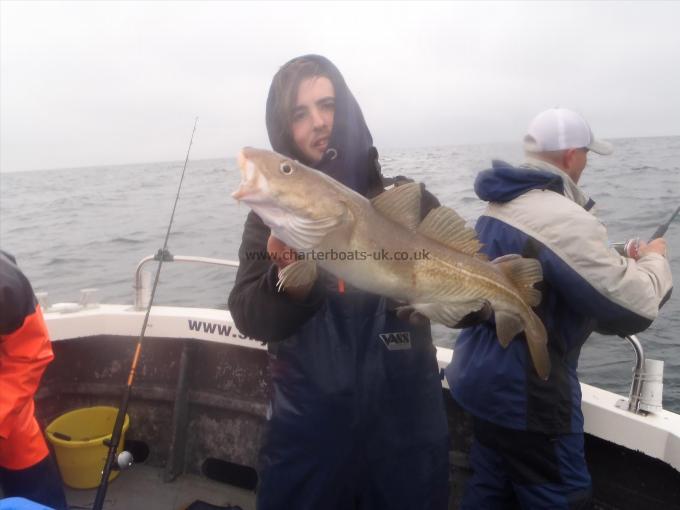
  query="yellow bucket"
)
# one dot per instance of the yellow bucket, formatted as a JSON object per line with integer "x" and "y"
{"x": 78, "y": 439}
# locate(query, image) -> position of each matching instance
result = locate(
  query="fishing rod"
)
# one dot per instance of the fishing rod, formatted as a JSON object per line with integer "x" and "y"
{"x": 122, "y": 410}
{"x": 630, "y": 247}
{"x": 662, "y": 228}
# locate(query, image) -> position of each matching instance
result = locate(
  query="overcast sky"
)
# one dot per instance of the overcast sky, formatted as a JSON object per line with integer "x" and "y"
{"x": 97, "y": 83}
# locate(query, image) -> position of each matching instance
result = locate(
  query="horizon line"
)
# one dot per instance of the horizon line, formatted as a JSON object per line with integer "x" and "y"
{"x": 386, "y": 147}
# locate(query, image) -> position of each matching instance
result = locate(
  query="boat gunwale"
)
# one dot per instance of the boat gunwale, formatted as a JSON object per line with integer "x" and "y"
{"x": 654, "y": 434}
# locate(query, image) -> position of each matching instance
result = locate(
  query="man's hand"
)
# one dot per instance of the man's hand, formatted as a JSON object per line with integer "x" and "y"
{"x": 656, "y": 246}
{"x": 283, "y": 255}
{"x": 410, "y": 315}
{"x": 475, "y": 318}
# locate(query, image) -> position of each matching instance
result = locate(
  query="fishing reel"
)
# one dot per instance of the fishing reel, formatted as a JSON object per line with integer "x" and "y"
{"x": 123, "y": 461}
{"x": 630, "y": 248}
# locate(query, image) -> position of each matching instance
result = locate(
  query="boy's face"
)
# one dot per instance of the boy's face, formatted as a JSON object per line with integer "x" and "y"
{"x": 312, "y": 117}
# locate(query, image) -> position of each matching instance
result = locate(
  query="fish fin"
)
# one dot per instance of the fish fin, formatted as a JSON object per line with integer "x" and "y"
{"x": 401, "y": 204}
{"x": 537, "y": 341}
{"x": 448, "y": 314}
{"x": 297, "y": 274}
{"x": 523, "y": 273}
{"x": 508, "y": 326}
{"x": 445, "y": 226}
{"x": 506, "y": 258}
{"x": 305, "y": 234}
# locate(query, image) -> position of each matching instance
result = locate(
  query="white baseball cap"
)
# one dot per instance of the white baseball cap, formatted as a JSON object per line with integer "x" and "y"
{"x": 559, "y": 129}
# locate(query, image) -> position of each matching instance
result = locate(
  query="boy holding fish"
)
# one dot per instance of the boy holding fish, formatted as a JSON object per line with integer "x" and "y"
{"x": 357, "y": 417}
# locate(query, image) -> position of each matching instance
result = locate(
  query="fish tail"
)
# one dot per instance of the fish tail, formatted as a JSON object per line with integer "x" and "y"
{"x": 524, "y": 274}
{"x": 537, "y": 341}
{"x": 510, "y": 323}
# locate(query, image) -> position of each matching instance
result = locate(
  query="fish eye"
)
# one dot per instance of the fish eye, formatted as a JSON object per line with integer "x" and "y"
{"x": 286, "y": 168}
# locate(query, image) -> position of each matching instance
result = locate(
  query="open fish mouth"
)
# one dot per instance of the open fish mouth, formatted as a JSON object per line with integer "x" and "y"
{"x": 253, "y": 184}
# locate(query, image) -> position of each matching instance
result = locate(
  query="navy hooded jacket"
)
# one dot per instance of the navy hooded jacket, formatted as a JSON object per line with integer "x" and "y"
{"x": 537, "y": 211}
{"x": 335, "y": 364}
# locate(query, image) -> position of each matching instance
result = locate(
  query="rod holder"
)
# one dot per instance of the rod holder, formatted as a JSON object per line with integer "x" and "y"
{"x": 638, "y": 374}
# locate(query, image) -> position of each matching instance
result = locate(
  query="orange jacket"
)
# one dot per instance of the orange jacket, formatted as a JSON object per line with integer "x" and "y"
{"x": 25, "y": 351}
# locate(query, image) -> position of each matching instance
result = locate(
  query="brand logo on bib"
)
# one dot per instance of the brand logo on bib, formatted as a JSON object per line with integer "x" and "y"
{"x": 396, "y": 341}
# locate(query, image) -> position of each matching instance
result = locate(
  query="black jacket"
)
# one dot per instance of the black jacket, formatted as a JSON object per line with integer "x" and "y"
{"x": 344, "y": 368}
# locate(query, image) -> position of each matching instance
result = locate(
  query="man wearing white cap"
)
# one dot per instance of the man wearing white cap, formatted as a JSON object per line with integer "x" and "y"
{"x": 528, "y": 432}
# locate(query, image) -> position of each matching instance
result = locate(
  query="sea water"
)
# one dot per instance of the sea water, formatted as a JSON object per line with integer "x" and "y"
{"x": 89, "y": 227}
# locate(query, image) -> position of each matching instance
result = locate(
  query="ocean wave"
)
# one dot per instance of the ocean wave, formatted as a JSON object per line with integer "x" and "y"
{"x": 126, "y": 240}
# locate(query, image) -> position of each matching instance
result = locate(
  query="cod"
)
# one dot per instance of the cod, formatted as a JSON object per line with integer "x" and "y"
{"x": 381, "y": 246}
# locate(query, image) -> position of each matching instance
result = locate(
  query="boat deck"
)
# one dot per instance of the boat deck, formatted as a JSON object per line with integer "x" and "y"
{"x": 142, "y": 488}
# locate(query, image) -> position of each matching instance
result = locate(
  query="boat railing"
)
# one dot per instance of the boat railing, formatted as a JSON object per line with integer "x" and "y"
{"x": 143, "y": 279}
{"x": 143, "y": 293}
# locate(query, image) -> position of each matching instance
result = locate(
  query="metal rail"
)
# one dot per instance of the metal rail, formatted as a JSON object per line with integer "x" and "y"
{"x": 142, "y": 288}
{"x": 638, "y": 375}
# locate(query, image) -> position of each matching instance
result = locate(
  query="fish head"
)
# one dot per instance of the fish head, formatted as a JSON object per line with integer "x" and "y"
{"x": 298, "y": 203}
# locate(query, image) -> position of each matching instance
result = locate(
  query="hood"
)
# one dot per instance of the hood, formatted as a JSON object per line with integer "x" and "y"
{"x": 504, "y": 182}
{"x": 350, "y": 157}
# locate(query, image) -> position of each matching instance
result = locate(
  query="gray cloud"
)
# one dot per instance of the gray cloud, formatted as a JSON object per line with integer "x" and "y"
{"x": 104, "y": 83}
